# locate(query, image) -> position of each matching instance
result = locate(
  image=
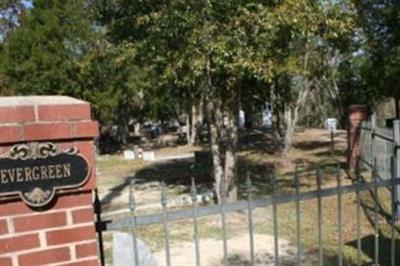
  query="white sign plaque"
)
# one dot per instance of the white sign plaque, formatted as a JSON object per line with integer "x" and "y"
{"x": 331, "y": 124}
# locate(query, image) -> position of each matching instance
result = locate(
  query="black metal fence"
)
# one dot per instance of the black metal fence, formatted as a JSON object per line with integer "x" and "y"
{"x": 357, "y": 185}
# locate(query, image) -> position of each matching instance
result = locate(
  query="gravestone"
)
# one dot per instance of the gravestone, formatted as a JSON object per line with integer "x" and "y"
{"x": 267, "y": 115}
{"x": 331, "y": 125}
{"x": 129, "y": 155}
{"x": 149, "y": 156}
{"x": 242, "y": 119}
{"x": 124, "y": 251}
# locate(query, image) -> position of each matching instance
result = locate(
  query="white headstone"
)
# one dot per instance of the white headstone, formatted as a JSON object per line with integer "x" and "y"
{"x": 226, "y": 121}
{"x": 129, "y": 155}
{"x": 123, "y": 251}
{"x": 149, "y": 156}
{"x": 267, "y": 115}
{"x": 242, "y": 119}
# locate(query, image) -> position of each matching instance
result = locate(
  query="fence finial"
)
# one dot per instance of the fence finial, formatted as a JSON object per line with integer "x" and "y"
{"x": 97, "y": 202}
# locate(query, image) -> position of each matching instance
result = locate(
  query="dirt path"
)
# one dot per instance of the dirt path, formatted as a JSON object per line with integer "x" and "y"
{"x": 211, "y": 252}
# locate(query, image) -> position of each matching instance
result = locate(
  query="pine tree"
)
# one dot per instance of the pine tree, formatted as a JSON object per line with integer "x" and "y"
{"x": 42, "y": 55}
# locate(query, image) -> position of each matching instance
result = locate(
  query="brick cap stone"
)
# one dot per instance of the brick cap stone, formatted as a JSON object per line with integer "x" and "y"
{"x": 38, "y": 100}
{"x": 37, "y": 118}
{"x": 358, "y": 113}
{"x": 358, "y": 107}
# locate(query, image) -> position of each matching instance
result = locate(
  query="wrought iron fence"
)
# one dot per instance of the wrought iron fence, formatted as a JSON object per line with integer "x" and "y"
{"x": 249, "y": 203}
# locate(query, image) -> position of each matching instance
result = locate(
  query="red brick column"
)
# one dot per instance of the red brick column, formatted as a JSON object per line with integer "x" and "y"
{"x": 357, "y": 114}
{"x": 62, "y": 233}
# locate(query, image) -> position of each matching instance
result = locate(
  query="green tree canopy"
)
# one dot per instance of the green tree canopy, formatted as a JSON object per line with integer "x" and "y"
{"x": 380, "y": 22}
{"x": 42, "y": 55}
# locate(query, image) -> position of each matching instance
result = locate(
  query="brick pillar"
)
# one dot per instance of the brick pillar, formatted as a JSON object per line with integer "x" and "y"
{"x": 357, "y": 114}
{"x": 62, "y": 232}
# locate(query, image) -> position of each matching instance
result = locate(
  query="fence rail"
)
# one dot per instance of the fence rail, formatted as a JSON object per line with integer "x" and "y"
{"x": 379, "y": 145}
{"x": 243, "y": 205}
{"x": 166, "y": 217}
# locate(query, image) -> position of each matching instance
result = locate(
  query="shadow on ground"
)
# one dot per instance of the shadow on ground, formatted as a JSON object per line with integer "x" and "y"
{"x": 264, "y": 141}
{"x": 384, "y": 249}
{"x": 180, "y": 172}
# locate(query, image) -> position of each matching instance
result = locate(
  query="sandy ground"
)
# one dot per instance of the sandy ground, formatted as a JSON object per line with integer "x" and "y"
{"x": 311, "y": 144}
{"x": 211, "y": 252}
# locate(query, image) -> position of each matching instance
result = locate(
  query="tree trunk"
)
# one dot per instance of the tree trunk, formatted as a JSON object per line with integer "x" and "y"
{"x": 217, "y": 158}
{"x": 223, "y": 138}
{"x": 277, "y": 114}
{"x": 292, "y": 110}
{"x": 193, "y": 128}
{"x": 279, "y": 108}
{"x": 231, "y": 156}
{"x": 397, "y": 107}
{"x": 223, "y": 141}
{"x": 197, "y": 122}
{"x": 215, "y": 121}
{"x": 188, "y": 128}
{"x": 291, "y": 117}
{"x": 339, "y": 103}
{"x": 123, "y": 131}
{"x": 123, "y": 125}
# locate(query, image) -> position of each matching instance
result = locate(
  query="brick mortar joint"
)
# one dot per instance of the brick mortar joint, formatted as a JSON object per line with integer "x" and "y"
{"x": 86, "y": 242}
{"x": 13, "y": 124}
{"x": 14, "y": 258}
{"x": 22, "y": 234}
{"x": 52, "y": 211}
{"x": 71, "y": 122}
{"x": 47, "y": 230}
{"x": 66, "y": 227}
{"x": 74, "y": 130}
{"x": 42, "y": 239}
{"x": 48, "y": 247}
{"x": 10, "y": 225}
{"x": 45, "y": 122}
{"x": 70, "y": 220}
{"x": 88, "y": 207}
{"x": 36, "y": 113}
{"x": 75, "y": 261}
{"x": 72, "y": 251}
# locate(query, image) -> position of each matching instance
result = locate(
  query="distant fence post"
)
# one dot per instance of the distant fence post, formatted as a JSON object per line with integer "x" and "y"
{"x": 373, "y": 139}
{"x": 357, "y": 114}
{"x": 396, "y": 172}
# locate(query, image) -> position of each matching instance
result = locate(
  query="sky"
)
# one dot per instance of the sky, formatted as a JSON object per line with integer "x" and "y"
{"x": 27, "y": 3}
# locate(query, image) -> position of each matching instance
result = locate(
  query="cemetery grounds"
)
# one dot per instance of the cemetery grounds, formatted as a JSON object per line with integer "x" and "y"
{"x": 176, "y": 165}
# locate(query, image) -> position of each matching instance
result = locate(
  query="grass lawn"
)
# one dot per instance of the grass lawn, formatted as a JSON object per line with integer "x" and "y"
{"x": 311, "y": 149}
